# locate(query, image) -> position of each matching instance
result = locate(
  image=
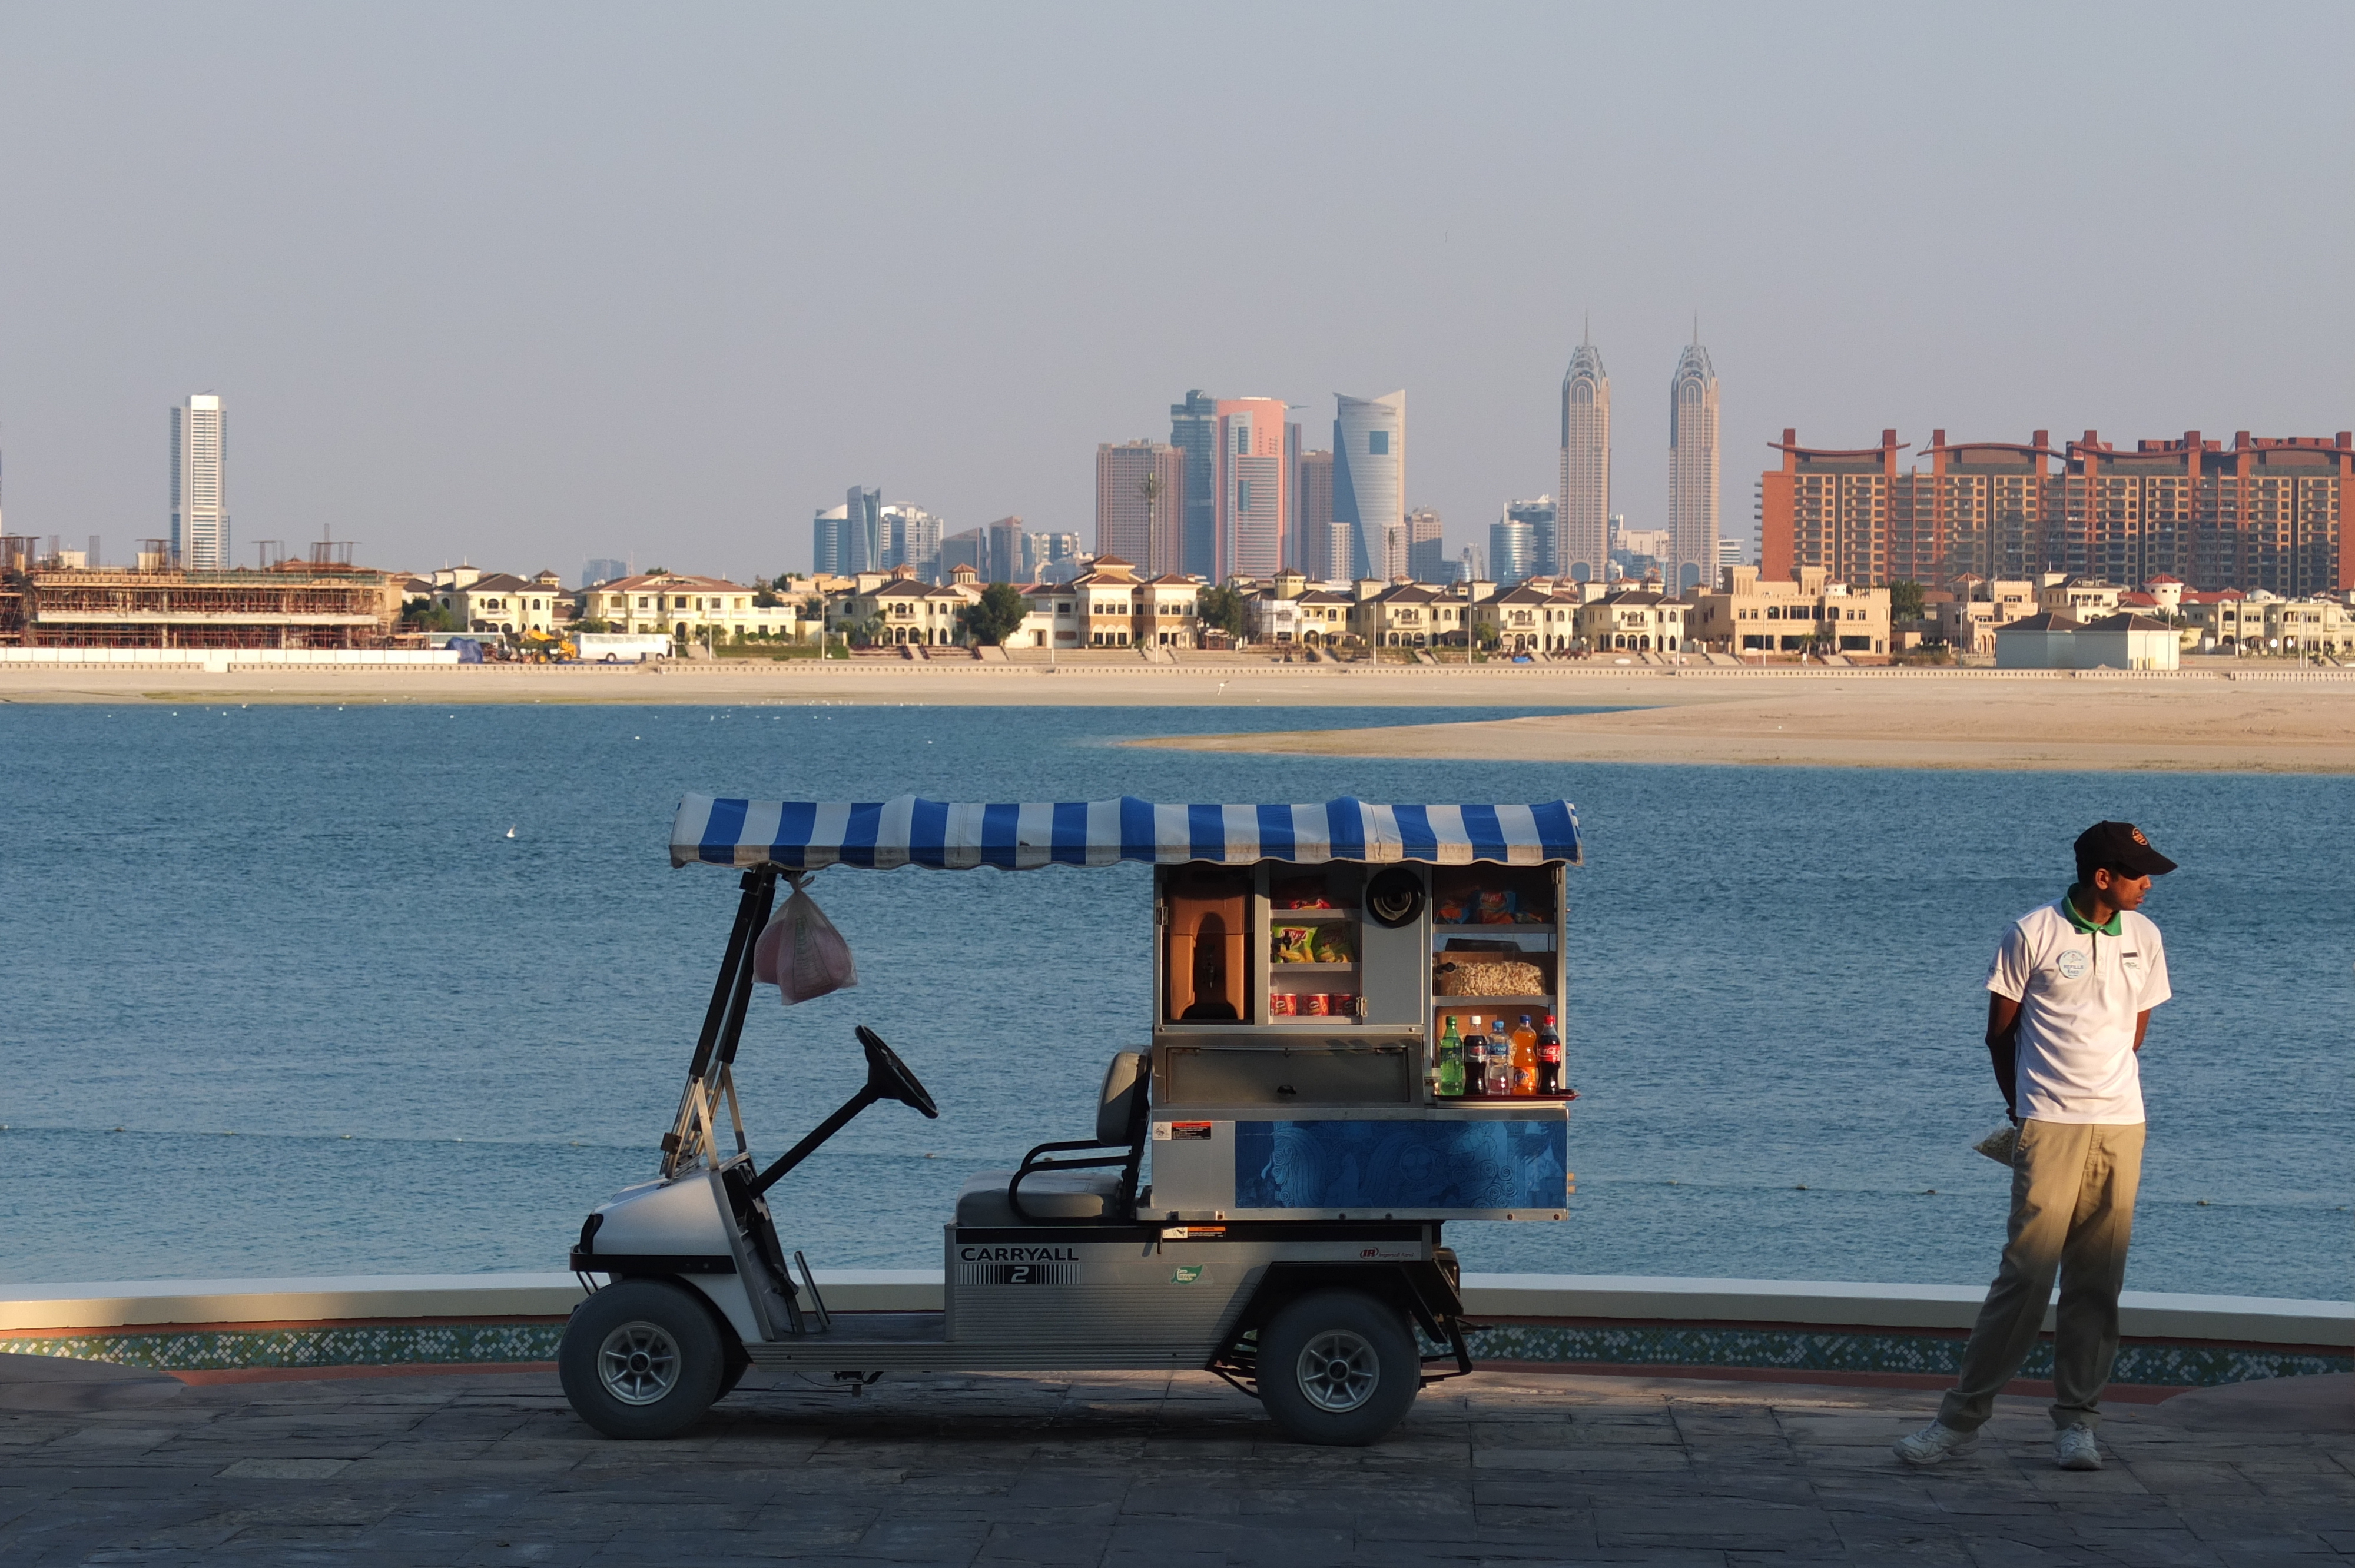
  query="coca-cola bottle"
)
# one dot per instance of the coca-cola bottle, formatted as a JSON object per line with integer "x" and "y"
{"x": 1549, "y": 1058}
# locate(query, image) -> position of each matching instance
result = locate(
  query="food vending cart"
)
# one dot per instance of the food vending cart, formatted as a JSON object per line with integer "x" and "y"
{"x": 1265, "y": 1188}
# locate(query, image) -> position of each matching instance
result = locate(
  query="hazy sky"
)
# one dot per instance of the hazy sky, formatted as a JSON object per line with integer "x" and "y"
{"x": 530, "y": 283}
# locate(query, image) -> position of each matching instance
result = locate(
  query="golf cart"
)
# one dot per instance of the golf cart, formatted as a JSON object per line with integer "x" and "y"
{"x": 1308, "y": 1123}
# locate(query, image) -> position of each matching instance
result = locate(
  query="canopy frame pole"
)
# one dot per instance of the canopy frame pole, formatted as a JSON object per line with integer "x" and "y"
{"x": 729, "y": 992}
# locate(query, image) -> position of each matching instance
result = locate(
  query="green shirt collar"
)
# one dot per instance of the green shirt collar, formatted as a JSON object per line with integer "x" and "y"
{"x": 2117, "y": 927}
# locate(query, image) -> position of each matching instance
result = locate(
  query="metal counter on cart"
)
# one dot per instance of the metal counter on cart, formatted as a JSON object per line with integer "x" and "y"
{"x": 1356, "y": 1038}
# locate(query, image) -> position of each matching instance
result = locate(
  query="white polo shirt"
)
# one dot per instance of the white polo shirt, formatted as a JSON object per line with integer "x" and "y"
{"x": 2079, "y": 988}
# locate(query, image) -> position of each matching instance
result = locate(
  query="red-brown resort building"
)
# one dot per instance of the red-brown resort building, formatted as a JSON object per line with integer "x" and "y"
{"x": 2259, "y": 514}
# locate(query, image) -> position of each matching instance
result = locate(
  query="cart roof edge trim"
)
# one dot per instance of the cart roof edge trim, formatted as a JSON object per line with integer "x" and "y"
{"x": 882, "y": 835}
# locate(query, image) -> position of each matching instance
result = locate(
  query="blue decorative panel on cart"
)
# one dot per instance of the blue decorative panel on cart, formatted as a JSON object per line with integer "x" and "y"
{"x": 1352, "y": 1165}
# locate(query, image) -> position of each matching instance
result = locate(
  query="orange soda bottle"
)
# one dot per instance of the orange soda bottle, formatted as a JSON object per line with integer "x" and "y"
{"x": 1525, "y": 1058}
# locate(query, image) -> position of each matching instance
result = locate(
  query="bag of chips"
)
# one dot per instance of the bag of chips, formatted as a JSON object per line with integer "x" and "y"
{"x": 1292, "y": 944}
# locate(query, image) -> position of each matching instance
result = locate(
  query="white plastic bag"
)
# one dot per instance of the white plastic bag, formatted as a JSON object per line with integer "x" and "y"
{"x": 1999, "y": 1144}
{"x": 801, "y": 953}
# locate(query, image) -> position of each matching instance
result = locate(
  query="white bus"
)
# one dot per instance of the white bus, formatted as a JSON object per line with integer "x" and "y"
{"x": 622, "y": 647}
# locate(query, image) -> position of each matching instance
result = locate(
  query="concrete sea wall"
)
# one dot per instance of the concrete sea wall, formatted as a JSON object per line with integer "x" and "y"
{"x": 1884, "y": 1335}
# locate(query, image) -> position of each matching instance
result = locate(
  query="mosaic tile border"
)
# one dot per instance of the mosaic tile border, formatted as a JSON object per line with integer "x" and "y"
{"x": 1783, "y": 1348}
{"x": 2143, "y": 1361}
{"x": 326, "y": 1345}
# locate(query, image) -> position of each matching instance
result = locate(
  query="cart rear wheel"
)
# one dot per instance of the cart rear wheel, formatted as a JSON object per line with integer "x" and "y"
{"x": 1337, "y": 1367}
{"x": 641, "y": 1358}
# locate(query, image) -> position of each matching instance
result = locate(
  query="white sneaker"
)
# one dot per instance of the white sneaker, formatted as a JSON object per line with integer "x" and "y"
{"x": 1936, "y": 1442}
{"x": 2074, "y": 1450}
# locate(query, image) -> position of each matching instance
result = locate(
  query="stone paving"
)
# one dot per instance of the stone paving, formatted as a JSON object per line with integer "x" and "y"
{"x": 1135, "y": 1469}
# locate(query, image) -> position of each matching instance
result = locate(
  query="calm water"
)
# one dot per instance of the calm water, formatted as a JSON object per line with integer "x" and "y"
{"x": 281, "y": 997}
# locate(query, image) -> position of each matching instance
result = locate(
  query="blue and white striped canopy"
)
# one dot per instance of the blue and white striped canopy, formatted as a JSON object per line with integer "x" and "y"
{"x": 954, "y": 836}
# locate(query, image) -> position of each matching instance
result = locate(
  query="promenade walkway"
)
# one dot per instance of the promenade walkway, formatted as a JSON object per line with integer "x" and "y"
{"x": 112, "y": 1464}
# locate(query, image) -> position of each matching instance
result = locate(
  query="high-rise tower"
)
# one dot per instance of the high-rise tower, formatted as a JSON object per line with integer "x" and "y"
{"x": 1254, "y": 493}
{"x": 1581, "y": 527}
{"x": 1141, "y": 505}
{"x": 1369, "y": 475}
{"x": 862, "y": 535}
{"x": 200, "y": 541}
{"x": 1194, "y": 431}
{"x": 1692, "y": 471}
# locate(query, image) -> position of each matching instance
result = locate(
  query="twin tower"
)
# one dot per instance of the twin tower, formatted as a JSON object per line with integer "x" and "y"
{"x": 1581, "y": 537}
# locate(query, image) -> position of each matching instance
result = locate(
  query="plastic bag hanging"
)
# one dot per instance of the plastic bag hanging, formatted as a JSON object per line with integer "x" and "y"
{"x": 801, "y": 953}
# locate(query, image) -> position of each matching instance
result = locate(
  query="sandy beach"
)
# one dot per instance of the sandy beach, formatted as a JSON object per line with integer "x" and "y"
{"x": 2234, "y": 719}
{"x": 1126, "y": 683}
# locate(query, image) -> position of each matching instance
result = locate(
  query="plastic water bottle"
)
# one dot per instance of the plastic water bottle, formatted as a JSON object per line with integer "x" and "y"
{"x": 1500, "y": 1060}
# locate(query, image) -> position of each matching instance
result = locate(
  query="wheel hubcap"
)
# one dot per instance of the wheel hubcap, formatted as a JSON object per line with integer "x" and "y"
{"x": 638, "y": 1363}
{"x": 1338, "y": 1370}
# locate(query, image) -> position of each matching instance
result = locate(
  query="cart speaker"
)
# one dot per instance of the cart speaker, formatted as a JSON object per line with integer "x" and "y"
{"x": 1394, "y": 897}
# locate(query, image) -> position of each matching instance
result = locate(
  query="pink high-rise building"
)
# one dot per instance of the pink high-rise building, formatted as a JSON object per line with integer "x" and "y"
{"x": 1255, "y": 502}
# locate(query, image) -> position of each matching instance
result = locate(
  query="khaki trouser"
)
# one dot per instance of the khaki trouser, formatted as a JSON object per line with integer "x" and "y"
{"x": 2073, "y": 1197}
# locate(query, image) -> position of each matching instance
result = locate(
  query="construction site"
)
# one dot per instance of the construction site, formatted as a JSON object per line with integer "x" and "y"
{"x": 321, "y": 603}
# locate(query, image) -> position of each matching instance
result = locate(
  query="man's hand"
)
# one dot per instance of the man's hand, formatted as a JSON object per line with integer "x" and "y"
{"x": 2003, "y": 1050}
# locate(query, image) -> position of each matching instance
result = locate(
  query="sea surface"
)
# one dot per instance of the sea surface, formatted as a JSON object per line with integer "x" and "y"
{"x": 281, "y": 995}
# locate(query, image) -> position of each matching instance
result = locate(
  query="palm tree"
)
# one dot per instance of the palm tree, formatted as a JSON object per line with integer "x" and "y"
{"x": 1150, "y": 487}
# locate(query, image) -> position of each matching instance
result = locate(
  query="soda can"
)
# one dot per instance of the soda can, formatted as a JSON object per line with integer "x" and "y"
{"x": 1282, "y": 1004}
{"x": 1313, "y": 1004}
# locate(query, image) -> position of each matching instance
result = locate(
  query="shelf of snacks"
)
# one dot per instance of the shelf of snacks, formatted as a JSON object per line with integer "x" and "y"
{"x": 1506, "y": 1002}
{"x": 1454, "y": 975}
{"x": 1471, "y": 906}
{"x": 1293, "y": 944}
{"x": 1287, "y": 1006}
{"x": 1283, "y": 969}
{"x": 1517, "y": 933}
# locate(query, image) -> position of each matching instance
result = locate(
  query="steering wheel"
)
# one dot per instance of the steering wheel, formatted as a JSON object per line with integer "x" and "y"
{"x": 888, "y": 1077}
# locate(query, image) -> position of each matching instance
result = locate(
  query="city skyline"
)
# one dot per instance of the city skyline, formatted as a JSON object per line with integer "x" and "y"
{"x": 416, "y": 220}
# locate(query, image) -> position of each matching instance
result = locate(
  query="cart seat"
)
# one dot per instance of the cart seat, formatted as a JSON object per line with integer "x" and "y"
{"x": 1047, "y": 1196}
{"x": 1052, "y": 1190}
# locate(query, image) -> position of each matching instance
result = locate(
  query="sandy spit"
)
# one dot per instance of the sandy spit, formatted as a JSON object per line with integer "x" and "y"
{"x": 2165, "y": 725}
{"x": 2198, "y": 721}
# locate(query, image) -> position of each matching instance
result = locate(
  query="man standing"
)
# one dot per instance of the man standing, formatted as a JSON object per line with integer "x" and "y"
{"x": 2070, "y": 995}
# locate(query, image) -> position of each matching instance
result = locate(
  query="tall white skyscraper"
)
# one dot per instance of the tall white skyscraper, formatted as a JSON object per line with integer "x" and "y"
{"x": 1581, "y": 528}
{"x": 1369, "y": 474}
{"x": 200, "y": 541}
{"x": 1692, "y": 471}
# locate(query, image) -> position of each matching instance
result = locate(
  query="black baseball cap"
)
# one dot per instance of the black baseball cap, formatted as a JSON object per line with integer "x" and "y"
{"x": 2120, "y": 846}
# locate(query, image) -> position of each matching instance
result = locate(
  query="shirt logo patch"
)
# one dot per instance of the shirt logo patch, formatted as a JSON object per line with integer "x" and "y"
{"x": 2072, "y": 964}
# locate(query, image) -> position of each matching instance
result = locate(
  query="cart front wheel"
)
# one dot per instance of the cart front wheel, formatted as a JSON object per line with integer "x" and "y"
{"x": 641, "y": 1358}
{"x": 1337, "y": 1367}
